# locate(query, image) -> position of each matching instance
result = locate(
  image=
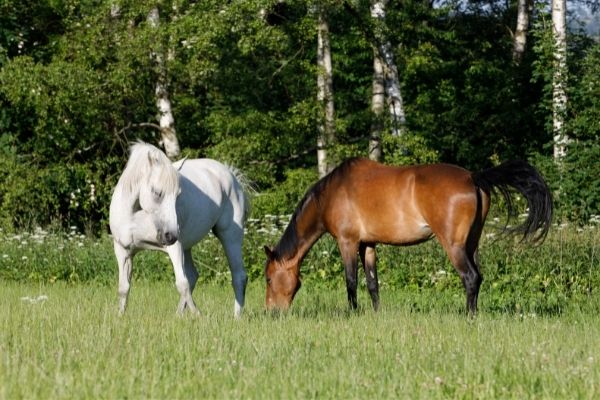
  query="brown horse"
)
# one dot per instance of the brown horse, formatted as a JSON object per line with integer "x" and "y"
{"x": 362, "y": 203}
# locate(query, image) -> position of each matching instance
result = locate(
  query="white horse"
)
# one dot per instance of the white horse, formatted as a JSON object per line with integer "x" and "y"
{"x": 171, "y": 207}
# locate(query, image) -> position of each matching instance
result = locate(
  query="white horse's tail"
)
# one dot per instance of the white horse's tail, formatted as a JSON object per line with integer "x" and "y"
{"x": 247, "y": 187}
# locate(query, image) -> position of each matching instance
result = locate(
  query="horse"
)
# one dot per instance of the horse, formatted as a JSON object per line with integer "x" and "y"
{"x": 159, "y": 205}
{"x": 362, "y": 203}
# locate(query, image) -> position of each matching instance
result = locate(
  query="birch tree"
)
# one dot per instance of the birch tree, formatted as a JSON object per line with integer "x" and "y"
{"x": 391, "y": 81}
{"x": 326, "y": 127}
{"x": 377, "y": 108}
{"x": 520, "y": 36}
{"x": 559, "y": 78}
{"x": 165, "y": 117}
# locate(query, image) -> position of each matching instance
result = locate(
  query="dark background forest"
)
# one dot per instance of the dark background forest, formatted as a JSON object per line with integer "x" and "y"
{"x": 78, "y": 83}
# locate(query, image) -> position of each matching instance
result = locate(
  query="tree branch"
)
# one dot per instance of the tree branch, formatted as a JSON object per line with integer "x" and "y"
{"x": 140, "y": 125}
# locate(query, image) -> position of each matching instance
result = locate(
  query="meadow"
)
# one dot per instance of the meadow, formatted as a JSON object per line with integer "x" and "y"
{"x": 73, "y": 344}
{"x": 537, "y": 334}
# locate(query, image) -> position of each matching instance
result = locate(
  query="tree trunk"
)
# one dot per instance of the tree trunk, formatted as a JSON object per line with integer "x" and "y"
{"x": 559, "y": 79}
{"x": 326, "y": 128}
{"x": 392, "y": 82}
{"x": 165, "y": 117}
{"x": 520, "y": 38}
{"x": 377, "y": 109}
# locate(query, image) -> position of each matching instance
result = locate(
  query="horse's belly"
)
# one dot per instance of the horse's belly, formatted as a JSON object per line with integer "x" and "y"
{"x": 397, "y": 232}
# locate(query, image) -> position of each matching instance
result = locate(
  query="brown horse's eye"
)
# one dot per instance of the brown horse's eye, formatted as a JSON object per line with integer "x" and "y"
{"x": 269, "y": 281}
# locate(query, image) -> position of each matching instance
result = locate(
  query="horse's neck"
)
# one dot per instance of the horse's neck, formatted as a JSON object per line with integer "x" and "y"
{"x": 309, "y": 228}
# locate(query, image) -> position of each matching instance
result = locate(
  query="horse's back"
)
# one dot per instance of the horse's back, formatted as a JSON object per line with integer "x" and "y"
{"x": 399, "y": 205}
{"x": 211, "y": 198}
{"x": 371, "y": 181}
{"x": 212, "y": 176}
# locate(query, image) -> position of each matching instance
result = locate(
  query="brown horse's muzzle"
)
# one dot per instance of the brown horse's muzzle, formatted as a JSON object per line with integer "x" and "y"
{"x": 279, "y": 304}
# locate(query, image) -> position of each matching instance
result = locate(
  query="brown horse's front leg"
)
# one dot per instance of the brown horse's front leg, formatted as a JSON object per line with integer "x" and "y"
{"x": 368, "y": 258}
{"x": 349, "y": 252}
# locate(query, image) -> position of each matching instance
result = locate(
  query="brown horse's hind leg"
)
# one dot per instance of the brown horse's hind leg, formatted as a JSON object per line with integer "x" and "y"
{"x": 475, "y": 278}
{"x": 368, "y": 258}
{"x": 464, "y": 263}
{"x": 460, "y": 239}
{"x": 472, "y": 281}
{"x": 349, "y": 252}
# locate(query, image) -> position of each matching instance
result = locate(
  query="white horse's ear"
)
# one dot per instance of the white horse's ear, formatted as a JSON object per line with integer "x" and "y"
{"x": 179, "y": 164}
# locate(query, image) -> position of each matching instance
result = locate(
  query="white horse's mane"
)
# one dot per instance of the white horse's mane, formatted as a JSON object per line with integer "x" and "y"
{"x": 142, "y": 159}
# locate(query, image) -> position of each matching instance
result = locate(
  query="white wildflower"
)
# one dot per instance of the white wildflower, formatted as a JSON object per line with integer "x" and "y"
{"x": 33, "y": 300}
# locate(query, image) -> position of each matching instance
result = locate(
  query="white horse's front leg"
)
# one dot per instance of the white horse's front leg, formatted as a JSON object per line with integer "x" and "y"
{"x": 182, "y": 282}
{"x": 125, "y": 264}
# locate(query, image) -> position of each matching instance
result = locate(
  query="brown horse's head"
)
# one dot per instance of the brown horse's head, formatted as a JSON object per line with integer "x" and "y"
{"x": 283, "y": 281}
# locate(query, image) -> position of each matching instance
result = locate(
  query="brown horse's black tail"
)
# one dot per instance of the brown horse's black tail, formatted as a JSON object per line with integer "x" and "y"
{"x": 525, "y": 179}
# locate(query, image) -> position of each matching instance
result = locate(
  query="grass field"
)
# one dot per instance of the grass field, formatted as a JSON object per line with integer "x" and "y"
{"x": 537, "y": 335}
{"x": 72, "y": 344}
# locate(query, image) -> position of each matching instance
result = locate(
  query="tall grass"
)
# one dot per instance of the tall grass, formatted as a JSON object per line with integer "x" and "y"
{"x": 66, "y": 341}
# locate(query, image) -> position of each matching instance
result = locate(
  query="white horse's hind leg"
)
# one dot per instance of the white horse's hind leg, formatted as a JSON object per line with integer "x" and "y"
{"x": 125, "y": 263}
{"x": 239, "y": 277}
{"x": 190, "y": 269}
{"x": 182, "y": 282}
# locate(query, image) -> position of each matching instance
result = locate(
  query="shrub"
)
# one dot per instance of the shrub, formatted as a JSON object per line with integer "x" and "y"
{"x": 60, "y": 194}
{"x": 284, "y": 198}
{"x": 575, "y": 182}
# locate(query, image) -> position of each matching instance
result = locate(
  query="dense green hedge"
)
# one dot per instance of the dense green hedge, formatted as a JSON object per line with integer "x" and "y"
{"x": 78, "y": 194}
{"x": 59, "y": 195}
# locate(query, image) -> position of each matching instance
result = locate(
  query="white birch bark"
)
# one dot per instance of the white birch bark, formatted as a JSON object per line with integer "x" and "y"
{"x": 165, "y": 116}
{"x": 326, "y": 128}
{"x": 377, "y": 108}
{"x": 520, "y": 38}
{"x": 392, "y": 82}
{"x": 115, "y": 11}
{"x": 559, "y": 79}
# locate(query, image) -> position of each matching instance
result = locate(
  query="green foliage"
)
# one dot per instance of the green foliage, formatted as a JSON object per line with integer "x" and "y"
{"x": 30, "y": 27}
{"x": 463, "y": 94}
{"x": 575, "y": 182}
{"x": 406, "y": 150}
{"x": 585, "y": 98}
{"x": 62, "y": 195}
{"x": 77, "y": 79}
{"x": 284, "y": 198}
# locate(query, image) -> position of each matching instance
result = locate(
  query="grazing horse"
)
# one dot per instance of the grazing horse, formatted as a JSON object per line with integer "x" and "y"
{"x": 362, "y": 203}
{"x": 171, "y": 207}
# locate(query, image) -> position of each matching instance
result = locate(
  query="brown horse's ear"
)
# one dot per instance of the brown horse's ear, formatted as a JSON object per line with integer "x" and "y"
{"x": 269, "y": 252}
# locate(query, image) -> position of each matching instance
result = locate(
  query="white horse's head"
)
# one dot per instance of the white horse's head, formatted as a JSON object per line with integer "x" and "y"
{"x": 151, "y": 177}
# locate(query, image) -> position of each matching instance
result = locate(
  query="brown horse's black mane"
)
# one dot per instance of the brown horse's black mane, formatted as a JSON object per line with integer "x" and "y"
{"x": 289, "y": 241}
